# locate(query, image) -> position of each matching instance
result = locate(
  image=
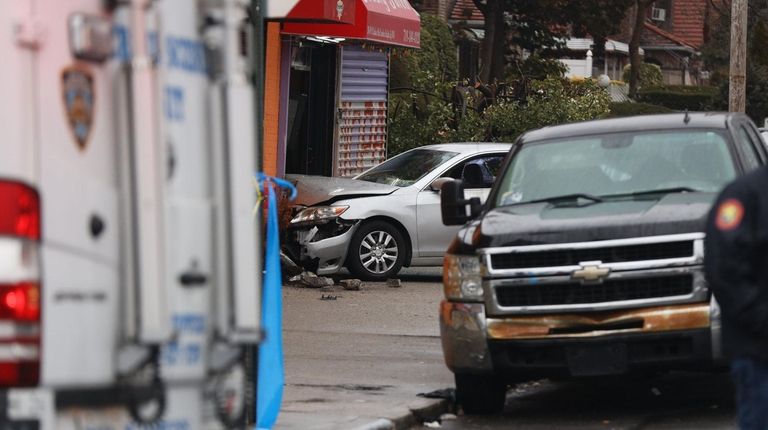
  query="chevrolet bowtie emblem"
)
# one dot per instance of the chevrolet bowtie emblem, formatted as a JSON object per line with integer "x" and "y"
{"x": 590, "y": 273}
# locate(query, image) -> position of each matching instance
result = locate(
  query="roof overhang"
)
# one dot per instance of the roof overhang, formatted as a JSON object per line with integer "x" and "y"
{"x": 391, "y": 22}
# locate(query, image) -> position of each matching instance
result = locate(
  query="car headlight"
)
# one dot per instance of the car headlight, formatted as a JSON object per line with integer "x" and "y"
{"x": 318, "y": 214}
{"x": 462, "y": 278}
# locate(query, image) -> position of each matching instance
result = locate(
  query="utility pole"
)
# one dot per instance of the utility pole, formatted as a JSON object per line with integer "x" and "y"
{"x": 738, "y": 75}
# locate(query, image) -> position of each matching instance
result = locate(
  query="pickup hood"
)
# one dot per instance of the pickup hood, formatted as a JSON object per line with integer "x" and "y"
{"x": 547, "y": 223}
{"x": 315, "y": 190}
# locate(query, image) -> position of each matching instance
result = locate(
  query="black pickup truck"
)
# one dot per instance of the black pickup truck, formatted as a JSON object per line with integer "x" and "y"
{"x": 586, "y": 258}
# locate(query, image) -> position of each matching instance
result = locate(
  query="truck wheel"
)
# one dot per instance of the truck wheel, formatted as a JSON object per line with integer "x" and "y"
{"x": 480, "y": 394}
{"x": 376, "y": 252}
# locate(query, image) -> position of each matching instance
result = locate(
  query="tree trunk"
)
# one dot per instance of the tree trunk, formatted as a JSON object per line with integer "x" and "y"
{"x": 492, "y": 48}
{"x": 641, "y": 6}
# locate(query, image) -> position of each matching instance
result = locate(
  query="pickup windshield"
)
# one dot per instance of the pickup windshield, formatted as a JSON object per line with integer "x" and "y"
{"x": 618, "y": 164}
{"x": 407, "y": 168}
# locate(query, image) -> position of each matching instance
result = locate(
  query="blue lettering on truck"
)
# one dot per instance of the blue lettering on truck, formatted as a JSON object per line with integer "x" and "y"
{"x": 186, "y": 54}
{"x": 174, "y": 103}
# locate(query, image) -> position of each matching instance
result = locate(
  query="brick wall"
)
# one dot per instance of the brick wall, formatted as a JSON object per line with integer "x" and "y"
{"x": 688, "y": 20}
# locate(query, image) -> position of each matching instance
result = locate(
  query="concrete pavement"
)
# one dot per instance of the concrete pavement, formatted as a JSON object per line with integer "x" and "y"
{"x": 359, "y": 359}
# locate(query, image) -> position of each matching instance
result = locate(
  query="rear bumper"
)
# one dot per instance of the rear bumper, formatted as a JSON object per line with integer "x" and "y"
{"x": 670, "y": 337}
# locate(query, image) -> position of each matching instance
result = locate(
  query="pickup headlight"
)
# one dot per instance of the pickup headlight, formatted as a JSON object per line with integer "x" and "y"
{"x": 462, "y": 278}
{"x": 318, "y": 214}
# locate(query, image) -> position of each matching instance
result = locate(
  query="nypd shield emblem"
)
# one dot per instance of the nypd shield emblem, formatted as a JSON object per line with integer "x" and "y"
{"x": 77, "y": 87}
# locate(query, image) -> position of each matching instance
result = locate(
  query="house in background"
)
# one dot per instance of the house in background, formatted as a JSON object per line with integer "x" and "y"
{"x": 672, "y": 37}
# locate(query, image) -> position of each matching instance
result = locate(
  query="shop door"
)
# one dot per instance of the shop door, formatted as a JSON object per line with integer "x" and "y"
{"x": 312, "y": 98}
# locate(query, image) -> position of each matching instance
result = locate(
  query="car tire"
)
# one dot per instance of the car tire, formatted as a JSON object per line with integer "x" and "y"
{"x": 480, "y": 394}
{"x": 376, "y": 252}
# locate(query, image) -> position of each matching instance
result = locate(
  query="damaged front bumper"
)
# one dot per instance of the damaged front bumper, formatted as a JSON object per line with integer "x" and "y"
{"x": 611, "y": 342}
{"x": 321, "y": 248}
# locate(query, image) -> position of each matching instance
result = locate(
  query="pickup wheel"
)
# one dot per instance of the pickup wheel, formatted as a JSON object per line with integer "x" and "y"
{"x": 480, "y": 394}
{"x": 376, "y": 252}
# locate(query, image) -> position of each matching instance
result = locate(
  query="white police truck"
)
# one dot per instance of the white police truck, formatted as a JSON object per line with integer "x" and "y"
{"x": 129, "y": 274}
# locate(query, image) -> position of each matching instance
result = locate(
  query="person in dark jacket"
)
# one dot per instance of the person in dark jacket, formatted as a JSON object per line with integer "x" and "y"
{"x": 736, "y": 265}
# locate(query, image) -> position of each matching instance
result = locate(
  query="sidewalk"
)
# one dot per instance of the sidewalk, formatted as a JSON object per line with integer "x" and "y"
{"x": 360, "y": 361}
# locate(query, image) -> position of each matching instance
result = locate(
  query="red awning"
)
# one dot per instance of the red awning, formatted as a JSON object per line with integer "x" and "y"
{"x": 326, "y": 11}
{"x": 392, "y": 22}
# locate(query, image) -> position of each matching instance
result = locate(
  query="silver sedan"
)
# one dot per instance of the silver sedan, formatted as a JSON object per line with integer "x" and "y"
{"x": 389, "y": 216}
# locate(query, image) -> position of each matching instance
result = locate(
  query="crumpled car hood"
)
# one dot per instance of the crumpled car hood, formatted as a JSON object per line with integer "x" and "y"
{"x": 313, "y": 190}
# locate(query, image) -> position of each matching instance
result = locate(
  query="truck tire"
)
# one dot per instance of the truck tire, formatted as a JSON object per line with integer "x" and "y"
{"x": 376, "y": 252}
{"x": 480, "y": 394}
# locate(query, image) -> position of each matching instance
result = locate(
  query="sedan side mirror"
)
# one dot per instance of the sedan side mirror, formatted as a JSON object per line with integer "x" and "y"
{"x": 453, "y": 205}
{"x": 438, "y": 183}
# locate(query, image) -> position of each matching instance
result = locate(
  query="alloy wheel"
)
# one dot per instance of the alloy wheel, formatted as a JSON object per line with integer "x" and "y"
{"x": 378, "y": 252}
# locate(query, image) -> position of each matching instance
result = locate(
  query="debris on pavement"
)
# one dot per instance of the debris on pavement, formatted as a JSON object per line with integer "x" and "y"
{"x": 432, "y": 425}
{"x": 655, "y": 391}
{"x": 351, "y": 284}
{"x": 328, "y": 297}
{"x": 445, "y": 393}
{"x": 394, "y": 283}
{"x": 310, "y": 280}
{"x": 290, "y": 268}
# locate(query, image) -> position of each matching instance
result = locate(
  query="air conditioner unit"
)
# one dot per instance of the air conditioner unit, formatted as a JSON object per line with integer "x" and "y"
{"x": 658, "y": 14}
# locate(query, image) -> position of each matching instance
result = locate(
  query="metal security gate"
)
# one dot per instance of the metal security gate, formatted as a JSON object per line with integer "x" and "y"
{"x": 362, "y": 122}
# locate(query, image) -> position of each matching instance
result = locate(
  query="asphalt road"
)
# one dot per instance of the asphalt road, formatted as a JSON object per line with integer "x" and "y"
{"x": 352, "y": 357}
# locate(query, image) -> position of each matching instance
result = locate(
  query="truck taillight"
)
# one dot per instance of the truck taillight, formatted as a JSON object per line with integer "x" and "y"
{"x": 20, "y": 302}
{"x": 19, "y": 210}
{"x": 16, "y": 372}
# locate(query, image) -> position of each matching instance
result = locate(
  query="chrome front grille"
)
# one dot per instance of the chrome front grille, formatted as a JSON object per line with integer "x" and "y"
{"x": 610, "y": 254}
{"x": 599, "y": 275}
{"x": 612, "y": 290}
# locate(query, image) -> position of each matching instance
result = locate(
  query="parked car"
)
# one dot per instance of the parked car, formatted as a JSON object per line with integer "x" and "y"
{"x": 587, "y": 258}
{"x": 389, "y": 216}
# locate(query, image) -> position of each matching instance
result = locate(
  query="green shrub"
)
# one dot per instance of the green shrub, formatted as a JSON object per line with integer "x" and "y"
{"x": 680, "y": 97}
{"x": 650, "y": 75}
{"x": 620, "y": 109}
{"x": 536, "y": 67}
{"x": 435, "y": 62}
{"x": 417, "y": 119}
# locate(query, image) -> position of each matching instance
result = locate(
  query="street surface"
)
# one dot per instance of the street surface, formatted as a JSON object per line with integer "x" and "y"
{"x": 367, "y": 354}
{"x": 362, "y": 356}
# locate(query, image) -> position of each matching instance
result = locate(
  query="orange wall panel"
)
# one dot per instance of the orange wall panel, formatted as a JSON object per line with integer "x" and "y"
{"x": 271, "y": 98}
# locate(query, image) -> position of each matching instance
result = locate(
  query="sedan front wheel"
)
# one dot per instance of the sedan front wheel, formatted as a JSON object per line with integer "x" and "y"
{"x": 377, "y": 251}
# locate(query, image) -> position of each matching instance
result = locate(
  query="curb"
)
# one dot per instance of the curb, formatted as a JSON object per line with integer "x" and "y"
{"x": 415, "y": 417}
{"x": 430, "y": 411}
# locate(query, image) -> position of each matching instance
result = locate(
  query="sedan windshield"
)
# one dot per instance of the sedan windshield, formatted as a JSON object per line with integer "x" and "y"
{"x": 619, "y": 164}
{"x": 407, "y": 168}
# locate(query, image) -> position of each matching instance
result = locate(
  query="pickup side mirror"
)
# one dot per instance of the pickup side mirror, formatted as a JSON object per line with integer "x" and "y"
{"x": 453, "y": 205}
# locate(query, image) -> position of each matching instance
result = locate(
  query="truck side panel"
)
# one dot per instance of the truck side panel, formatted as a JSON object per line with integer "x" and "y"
{"x": 79, "y": 195}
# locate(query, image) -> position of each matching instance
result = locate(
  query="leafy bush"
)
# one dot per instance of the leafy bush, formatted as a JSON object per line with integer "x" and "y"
{"x": 629, "y": 109}
{"x": 679, "y": 97}
{"x": 435, "y": 62}
{"x": 650, "y": 75}
{"x": 470, "y": 114}
{"x": 536, "y": 67}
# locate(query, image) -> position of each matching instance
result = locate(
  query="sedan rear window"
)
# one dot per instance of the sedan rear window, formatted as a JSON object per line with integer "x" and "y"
{"x": 407, "y": 168}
